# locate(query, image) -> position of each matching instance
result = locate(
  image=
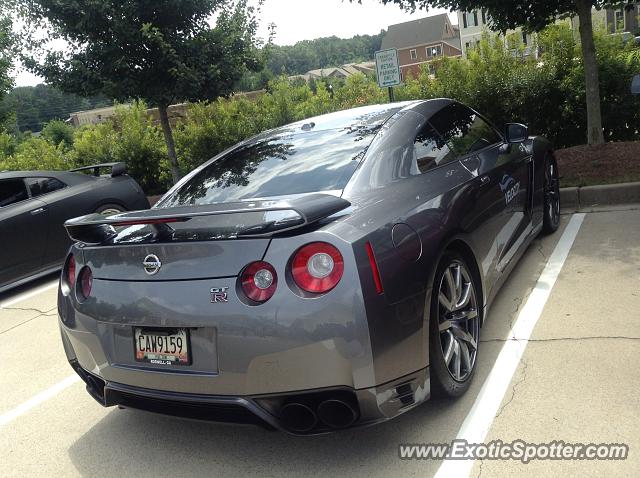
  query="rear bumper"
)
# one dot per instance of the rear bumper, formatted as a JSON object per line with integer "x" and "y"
{"x": 373, "y": 405}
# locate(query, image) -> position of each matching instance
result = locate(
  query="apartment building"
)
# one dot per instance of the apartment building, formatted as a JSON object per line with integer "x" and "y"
{"x": 420, "y": 42}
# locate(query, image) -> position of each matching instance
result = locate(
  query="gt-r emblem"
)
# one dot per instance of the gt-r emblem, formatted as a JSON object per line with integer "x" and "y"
{"x": 219, "y": 294}
{"x": 151, "y": 264}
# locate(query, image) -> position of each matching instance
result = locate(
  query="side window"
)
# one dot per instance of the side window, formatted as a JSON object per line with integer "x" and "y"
{"x": 430, "y": 150}
{"x": 464, "y": 130}
{"x": 12, "y": 191}
{"x": 40, "y": 186}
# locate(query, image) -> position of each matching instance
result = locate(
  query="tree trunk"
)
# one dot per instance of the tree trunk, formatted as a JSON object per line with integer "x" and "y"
{"x": 591, "y": 80}
{"x": 168, "y": 138}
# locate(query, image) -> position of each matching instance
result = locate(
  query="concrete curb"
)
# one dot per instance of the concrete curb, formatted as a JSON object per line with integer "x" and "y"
{"x": 605, "y": 195}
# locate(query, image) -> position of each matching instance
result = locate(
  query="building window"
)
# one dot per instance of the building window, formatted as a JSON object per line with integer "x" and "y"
{"x": 524, "y": 39}
{"x": 413, "y": 54}
{"x": 432, "y": 69}
{"x": 433, "y": 51}
{"x": 484, "y": 17}
{"x": 470, "y": 19}
{"x": 619, "y": 20}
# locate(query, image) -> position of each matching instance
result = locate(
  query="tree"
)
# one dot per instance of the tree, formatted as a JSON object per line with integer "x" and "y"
{"x": 534, "y": 15}
{"x": 6, "y": 43}
{"x": 162, "y": 51}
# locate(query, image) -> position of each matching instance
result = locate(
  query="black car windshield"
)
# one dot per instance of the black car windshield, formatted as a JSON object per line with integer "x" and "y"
{"x": 280, "y": 165}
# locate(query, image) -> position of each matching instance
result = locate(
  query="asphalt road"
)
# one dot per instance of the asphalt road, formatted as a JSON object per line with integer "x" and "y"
{"x": 576, "y": 380}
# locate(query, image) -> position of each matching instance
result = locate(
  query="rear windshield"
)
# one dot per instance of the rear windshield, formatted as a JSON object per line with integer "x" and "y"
{"x": 280, "y": 165}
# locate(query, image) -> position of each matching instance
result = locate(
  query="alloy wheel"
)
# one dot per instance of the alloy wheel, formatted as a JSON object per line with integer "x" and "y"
{"x": 458, "y": 321}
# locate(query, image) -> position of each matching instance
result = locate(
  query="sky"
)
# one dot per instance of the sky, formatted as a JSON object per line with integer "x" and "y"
{"x": 298, "y": 20}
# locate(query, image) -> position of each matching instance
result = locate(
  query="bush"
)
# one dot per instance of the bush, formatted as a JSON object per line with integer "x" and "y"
{"x": 36, "y": 153}
{"x": 59, "y": 132}
{"x": 131, "y": 137}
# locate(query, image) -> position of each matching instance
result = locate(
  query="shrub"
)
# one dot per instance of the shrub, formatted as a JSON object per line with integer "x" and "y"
{"x": 36, "y": 153}
{"x": 131, "y": 137}
{"x": 59, "y": 132}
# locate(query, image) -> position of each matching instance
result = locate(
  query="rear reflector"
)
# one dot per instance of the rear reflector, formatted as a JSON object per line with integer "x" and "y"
{"x": 70, "y": 272}
{"x": 374, "y": 268}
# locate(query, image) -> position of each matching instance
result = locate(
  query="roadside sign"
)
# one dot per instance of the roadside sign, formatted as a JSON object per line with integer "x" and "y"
{"x": 387, "y": 68}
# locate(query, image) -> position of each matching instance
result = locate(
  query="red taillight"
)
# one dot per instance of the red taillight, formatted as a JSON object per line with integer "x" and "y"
{"x": 71, "y": 271}
{"x": 259, "y": 281}
{"x": 85, "y": 282}
{"x": 317, "y": 267}
{"x": 374, "y": 268}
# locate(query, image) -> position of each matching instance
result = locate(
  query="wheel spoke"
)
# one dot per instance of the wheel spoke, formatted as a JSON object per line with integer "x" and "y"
{"x": 465, "y": 295}
{"x": 458, "y": 283}
{"x": 464, "y": 335}
{"x": 445, "y": 302}
{"x": 445, "y": 325}
{"x": 448, "y": 353}
{"x": 457, "y": 360}
{"x": 451, "y": 286}
{"x": 466, "y": 357}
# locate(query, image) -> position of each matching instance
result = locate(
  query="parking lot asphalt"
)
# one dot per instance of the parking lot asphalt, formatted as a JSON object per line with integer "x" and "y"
{"x": 576, "y": 381}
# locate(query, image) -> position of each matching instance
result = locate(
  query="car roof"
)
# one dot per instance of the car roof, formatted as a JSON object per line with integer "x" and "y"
{"x": 370, "y": 116}
{"x": 40, "y": 174}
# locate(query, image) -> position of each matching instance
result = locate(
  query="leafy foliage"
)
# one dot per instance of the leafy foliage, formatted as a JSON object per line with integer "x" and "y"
{"x": 58, "y": 132}
{"x": 6, "y": 62}
{"x": 162, "y": 51}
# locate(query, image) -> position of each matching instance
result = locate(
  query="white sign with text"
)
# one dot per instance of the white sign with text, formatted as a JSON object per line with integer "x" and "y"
{"x": 387, "y": 67}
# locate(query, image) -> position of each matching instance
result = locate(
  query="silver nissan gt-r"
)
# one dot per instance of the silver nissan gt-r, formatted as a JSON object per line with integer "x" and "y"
{"x": 330, "y": 273}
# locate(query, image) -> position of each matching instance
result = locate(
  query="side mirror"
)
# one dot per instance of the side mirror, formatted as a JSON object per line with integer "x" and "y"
{"x": 516, "y": 133}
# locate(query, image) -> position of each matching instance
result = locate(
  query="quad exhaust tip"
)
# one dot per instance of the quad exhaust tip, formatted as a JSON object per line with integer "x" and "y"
{"x": 337, "y": 413}
{"x": 298, "y": 417}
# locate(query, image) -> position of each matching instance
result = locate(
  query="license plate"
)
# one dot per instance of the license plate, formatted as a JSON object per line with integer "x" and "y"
{"x": 162, "y": 347}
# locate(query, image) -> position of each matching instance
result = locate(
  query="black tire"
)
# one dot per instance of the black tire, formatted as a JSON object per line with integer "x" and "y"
{"x": 109, "y": 209}
{"x": 444, "y": 382}
{"x": 551, "y": 213}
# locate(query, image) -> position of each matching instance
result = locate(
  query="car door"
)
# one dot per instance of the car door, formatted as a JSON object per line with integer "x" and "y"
{"x": 60, "y": 206}
{"x": 499, "y": 209}
{"x": 23, "y": 231}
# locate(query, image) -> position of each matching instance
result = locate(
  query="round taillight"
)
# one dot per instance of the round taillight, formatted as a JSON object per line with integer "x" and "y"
{"x": 85, "y": 282}
{"x": 259, "y": 281}
{"x": 317, "y": 267}
{"x": 71, "y": 271}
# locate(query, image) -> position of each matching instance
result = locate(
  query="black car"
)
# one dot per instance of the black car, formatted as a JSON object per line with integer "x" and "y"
{"x": 35, "y": 204}
{"x": 329, "y": 273}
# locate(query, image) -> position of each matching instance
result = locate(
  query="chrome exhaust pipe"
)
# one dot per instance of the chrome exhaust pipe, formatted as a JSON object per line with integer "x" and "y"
{"x": 298, "y": 417}
{"x": 337, "y": 413}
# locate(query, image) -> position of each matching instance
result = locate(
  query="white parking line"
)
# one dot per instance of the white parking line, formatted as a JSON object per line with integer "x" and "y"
{"x": 476, "y": 425}
{"x": 43, "y": 396}
{"x": 28, "y": 295}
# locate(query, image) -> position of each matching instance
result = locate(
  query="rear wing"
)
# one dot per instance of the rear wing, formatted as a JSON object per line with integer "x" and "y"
{"x": 232, "y": 220}
{"x": 117, "y": 169}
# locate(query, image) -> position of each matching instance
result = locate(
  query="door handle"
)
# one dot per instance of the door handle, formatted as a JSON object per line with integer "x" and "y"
{"x": 528, "y": 159}
{"x": 485, "y": 180}
{"x": 40, "y": 210}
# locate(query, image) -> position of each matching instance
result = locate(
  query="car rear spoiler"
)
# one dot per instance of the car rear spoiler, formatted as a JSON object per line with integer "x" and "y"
{"x": 261, "y": 218}
{"x": 117, "y": 169}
